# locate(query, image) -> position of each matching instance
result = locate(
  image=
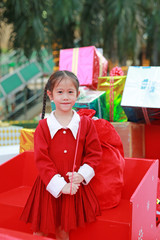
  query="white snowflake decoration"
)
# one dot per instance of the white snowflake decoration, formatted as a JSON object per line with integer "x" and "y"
{"x": 148, "y": 205}
{"x": 140, "y": 236}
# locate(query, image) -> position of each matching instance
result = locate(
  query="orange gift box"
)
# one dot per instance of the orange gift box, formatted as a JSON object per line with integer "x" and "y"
{"x": 133, "y": 138}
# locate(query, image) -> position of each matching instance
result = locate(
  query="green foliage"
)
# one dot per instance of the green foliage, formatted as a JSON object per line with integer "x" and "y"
{"x": 118, "y": 26}
{"x": 91, "y": 23}
{"x": 121, "y": 26}
{"x": 28, "y": 24}
{"x": 62, "y": 21}
{"x": 152, "y": 30}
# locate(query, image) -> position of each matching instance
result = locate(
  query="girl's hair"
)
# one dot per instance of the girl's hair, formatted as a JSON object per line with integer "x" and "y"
{"x": 56, "y": 77}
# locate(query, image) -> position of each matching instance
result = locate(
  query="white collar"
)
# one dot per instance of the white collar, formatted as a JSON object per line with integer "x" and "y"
{"x": 54, "y": 125}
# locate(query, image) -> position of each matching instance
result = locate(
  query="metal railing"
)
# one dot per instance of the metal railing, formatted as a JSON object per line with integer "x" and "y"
{"x": 13, "y": 106}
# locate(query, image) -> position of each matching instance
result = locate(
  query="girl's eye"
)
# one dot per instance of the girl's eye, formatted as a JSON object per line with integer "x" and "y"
{"x": 59, "y": 92}
{"x": 70, "y": 91}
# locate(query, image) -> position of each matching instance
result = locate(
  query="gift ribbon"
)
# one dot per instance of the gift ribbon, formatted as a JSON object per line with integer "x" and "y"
{"x": 75, "y": 156}
{"x": 75, "y": 60}
{"x": 99, "y": 108}
{"x": 100, "y": 66}
{"x": 111, "y": 98}
{"x": 145, "y": 114}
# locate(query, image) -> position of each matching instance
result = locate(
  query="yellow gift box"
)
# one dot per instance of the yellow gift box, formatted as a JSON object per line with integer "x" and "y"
{"x": 114, "y": 89}
{"x": 27, "y": 140}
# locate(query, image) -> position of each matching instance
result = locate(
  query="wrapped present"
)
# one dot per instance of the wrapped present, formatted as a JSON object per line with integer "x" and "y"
{"x": 90, "y": 99}
{"x": 86, "y": 62}
{"x": 27, "y": 140}
{"x": 10, "y": 135}
{"x": 141, "y": 98}
{"x": 143, "y": 115}
{"x": 133, "y": 138}
{"x": 113, "y": 85}
{"x": 4, "y": 124}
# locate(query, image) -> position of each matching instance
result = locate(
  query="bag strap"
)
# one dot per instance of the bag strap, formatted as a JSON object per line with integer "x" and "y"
{"x": 75, "y": 155}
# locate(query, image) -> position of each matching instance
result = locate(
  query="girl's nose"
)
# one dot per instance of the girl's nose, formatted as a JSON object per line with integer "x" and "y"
{"x": 65, "y": 96}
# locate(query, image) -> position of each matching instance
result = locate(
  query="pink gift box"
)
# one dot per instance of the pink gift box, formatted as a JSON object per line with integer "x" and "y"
{"x": 86, "y": 62}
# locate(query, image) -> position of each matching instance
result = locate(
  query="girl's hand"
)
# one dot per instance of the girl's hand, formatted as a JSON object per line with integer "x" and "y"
{"x": 67, "y": 187}
{"x": 77, "y": 178}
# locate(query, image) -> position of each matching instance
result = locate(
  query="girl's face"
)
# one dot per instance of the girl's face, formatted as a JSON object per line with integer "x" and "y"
{"x": 64, "y": 95}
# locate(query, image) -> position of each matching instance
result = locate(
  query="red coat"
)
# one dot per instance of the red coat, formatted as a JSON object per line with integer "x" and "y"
{"x": 55, "y": 156}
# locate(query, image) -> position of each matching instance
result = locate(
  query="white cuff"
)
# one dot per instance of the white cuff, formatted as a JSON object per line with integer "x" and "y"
{"x": 87, "y": 172}
{"x": 55, "y": 185}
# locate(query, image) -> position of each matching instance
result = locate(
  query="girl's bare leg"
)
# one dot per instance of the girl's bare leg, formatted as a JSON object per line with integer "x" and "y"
{"x": 40, "y": 234}
{"x": 61, "y": 234}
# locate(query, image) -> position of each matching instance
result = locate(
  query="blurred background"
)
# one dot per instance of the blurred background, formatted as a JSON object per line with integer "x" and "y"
{"x": 33, "y": 32}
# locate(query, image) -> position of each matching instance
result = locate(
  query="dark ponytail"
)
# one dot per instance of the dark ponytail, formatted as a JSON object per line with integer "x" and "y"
{"x": 44, "y": 101}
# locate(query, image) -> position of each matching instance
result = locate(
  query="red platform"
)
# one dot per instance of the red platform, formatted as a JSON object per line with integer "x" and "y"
{"x": 6, "y": 234}
{"x": 134, "y": 218}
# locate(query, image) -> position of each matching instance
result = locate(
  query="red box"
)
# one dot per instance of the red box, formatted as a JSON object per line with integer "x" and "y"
{"x": 134, "y": 218}
{"x": 152, "y": 142}
{"x": 86, "y": 62}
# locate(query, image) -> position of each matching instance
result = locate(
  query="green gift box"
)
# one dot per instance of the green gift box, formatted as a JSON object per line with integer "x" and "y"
{"x": 92, "y": 99}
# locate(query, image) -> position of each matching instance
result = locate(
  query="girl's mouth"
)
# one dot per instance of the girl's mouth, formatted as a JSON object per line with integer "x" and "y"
{"x": 65, "y": 103}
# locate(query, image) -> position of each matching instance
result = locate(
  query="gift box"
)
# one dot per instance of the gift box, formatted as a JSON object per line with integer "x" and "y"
{"x": 141, "y": 98}
{"x": 27, "y": 140}
{"x": 92, "y": 99}
{"x": 152, "y": 148}
{"x": 133, "y": 138}
{"x": 113, "y": 85}
{"x": 10, "y": 135}
{"x": 87, "y": 63}
{"x": 143, "y": 115}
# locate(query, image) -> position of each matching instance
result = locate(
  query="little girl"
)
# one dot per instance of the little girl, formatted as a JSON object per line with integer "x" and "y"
{"x": 61, "y": 200}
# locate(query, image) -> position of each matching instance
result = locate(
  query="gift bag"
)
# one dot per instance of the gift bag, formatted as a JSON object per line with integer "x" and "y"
{"x": 108, "y": 180}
